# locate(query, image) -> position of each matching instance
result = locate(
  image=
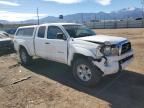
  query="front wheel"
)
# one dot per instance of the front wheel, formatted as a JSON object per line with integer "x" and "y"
{"x": 86, "y": 73}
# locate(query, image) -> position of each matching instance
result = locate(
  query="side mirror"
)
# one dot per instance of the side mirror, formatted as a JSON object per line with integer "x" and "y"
{"x": 61, "y": 36}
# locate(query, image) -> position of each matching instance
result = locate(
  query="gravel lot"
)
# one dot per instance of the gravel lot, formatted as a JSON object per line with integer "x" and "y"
{"x": 47, "y": 84}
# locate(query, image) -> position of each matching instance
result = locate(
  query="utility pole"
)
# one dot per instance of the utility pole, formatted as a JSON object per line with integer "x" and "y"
{"x": 127, "y": 21}
{"x": 115, "y": 20}
{"x": 104, "y": 23}
{"x": 82, "y": 20}
{"x": 94, "y": 23}
{"x": 95, "y": 16}
{"x": 142, "y": 3}
{"x": 37, "y": 16}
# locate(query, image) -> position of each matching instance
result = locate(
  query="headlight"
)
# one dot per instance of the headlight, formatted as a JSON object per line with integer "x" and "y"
{"x": 98, "y": 52}
{"x": 109, "y": 50}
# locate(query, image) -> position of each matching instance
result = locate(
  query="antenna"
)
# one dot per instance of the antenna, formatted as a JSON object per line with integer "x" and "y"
{"x": 37, "y": 16}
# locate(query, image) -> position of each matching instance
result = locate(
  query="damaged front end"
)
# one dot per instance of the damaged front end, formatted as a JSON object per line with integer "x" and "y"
{"x": 113, "y": 58}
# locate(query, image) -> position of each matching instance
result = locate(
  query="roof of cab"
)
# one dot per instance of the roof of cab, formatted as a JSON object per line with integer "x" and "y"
{"x": 47, "y": 24}
{"x": 28, "y": 26}
{"x": 60, "y": 24}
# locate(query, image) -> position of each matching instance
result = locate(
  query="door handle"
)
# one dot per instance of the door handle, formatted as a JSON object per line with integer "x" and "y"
{"x": 47, "y": 43}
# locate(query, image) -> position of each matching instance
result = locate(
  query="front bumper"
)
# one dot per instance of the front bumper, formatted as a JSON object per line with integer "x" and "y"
{"x": 114, "y": 64}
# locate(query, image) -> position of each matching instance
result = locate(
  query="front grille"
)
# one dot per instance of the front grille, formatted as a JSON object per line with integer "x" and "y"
{"x": 126, "y": 48}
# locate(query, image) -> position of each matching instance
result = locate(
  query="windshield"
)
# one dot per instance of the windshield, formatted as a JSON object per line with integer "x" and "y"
{"x": 77, "y": 31}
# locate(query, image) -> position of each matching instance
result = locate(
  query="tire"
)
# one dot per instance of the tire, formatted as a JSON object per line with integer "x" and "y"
{"x": 25, "y": 58}
{"x": 86, "y": 73}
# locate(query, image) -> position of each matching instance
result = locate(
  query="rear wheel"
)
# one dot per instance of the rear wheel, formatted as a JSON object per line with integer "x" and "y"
{"x": 86, "y": 73}
{"x": 25, "y": 58}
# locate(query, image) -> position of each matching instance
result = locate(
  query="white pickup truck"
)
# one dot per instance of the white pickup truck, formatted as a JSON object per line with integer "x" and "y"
{"x": 91, "y": 56}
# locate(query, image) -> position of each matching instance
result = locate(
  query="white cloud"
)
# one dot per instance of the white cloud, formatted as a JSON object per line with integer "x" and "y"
{"x": 104, "y": 2}
{"x": 8, "y": 3}
{"x": 65, "y": 1}
{"x": 13, "y": 16}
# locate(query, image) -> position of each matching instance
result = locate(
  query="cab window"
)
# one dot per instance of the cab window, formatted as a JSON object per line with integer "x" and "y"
{"x": 41, "y": 32}
{"x": 52, "y": 32}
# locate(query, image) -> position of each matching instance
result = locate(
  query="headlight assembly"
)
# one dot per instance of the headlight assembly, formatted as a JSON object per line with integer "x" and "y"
{"x": 109, "y": 50}
{"x": 99, "y": 54}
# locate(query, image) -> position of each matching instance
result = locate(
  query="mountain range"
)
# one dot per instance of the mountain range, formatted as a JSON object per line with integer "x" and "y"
{"x": 85, "y": 17}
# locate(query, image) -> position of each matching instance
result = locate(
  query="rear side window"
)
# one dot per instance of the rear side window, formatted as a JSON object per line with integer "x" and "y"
{"x": 25, "y": 32}
{"x": 41, "y": 32}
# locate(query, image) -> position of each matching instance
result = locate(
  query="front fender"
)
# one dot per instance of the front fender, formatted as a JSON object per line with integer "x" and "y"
{"x": 81, "y": 51}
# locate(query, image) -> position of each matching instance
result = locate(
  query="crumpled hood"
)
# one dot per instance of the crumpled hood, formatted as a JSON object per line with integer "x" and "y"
{"x": 103, "y": 38}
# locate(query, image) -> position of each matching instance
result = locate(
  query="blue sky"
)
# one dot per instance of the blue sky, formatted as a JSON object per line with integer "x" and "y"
{"x": 18, "y": 10}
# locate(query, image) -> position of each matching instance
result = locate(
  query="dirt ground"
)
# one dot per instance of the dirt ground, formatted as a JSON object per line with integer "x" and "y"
{"x": 47, "y": 84}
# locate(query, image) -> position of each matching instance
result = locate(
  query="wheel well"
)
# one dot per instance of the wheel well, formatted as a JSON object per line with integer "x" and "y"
{"x": 76, "y": 56}
{"x": 21, "y": 47}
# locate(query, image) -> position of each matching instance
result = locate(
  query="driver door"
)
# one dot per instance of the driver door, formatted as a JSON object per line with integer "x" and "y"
{"x": 57, "y": 48}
